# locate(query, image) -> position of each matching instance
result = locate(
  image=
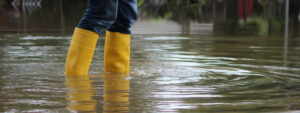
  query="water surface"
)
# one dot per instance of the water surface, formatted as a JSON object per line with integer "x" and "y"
{"x": 169, "y": 73}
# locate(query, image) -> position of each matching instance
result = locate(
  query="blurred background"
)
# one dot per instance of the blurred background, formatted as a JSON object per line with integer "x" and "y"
{"x": 209, "y": 17}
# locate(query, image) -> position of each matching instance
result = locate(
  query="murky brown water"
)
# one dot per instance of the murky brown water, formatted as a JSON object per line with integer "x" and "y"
{"x": 169, "y": 74}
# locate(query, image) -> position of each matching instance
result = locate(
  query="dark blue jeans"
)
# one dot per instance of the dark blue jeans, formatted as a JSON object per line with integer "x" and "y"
{"x": 114, "y": 15}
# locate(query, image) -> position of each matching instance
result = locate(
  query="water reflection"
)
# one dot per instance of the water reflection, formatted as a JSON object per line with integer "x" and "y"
{"x": 170, "y": 73}
{"x": 239, "y": 74}
{"x": 80, "y": 94}
{"x": 116, "y": 93}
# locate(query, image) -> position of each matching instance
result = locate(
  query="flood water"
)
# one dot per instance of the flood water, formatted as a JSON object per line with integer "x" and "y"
{"x": 169, "y": 73}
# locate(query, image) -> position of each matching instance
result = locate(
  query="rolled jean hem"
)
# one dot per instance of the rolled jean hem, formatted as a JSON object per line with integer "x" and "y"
{"x": 124, "y": 32}
{"x": 93, "y": 29}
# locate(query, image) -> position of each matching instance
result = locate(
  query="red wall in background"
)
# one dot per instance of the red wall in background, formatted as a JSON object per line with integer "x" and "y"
{"x": 245, "y": 8}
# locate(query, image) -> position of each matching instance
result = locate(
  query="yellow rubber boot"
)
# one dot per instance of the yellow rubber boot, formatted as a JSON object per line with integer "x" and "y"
{"x": 81, "y": 52}
{"x": 117, "y": 52}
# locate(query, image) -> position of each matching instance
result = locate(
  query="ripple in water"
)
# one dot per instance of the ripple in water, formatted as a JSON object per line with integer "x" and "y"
{"x": 169, "y": 74}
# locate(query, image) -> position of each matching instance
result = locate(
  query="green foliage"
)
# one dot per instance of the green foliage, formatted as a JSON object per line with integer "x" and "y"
{"x": 172, "y": 9}
{"x": 140, "y": 2}
{"x": 256, "y": 23}
{"x": 168, "y": 15}
{"x": 202, "y": 2}
{"x": 265, "y": 2}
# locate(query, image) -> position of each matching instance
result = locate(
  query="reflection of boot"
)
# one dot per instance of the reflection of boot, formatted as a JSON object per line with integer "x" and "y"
{"x": 81, "y": 52}
{"x": 117, "y": 52}
{"x": 116, "y": 93}
{"x": 80, "y": 94}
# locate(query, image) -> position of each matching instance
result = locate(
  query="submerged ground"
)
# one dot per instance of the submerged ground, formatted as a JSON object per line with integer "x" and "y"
{"x": 170, "y": 73}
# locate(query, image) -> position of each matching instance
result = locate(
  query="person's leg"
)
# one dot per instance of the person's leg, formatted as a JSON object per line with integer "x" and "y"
{"x": 100, "y": 14}
{"x": 117, "y": 43}
{"x": 127, "y": 15}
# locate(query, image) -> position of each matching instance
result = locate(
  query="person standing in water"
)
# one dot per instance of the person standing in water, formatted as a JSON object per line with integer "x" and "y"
{"x": 116, "y": 16}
